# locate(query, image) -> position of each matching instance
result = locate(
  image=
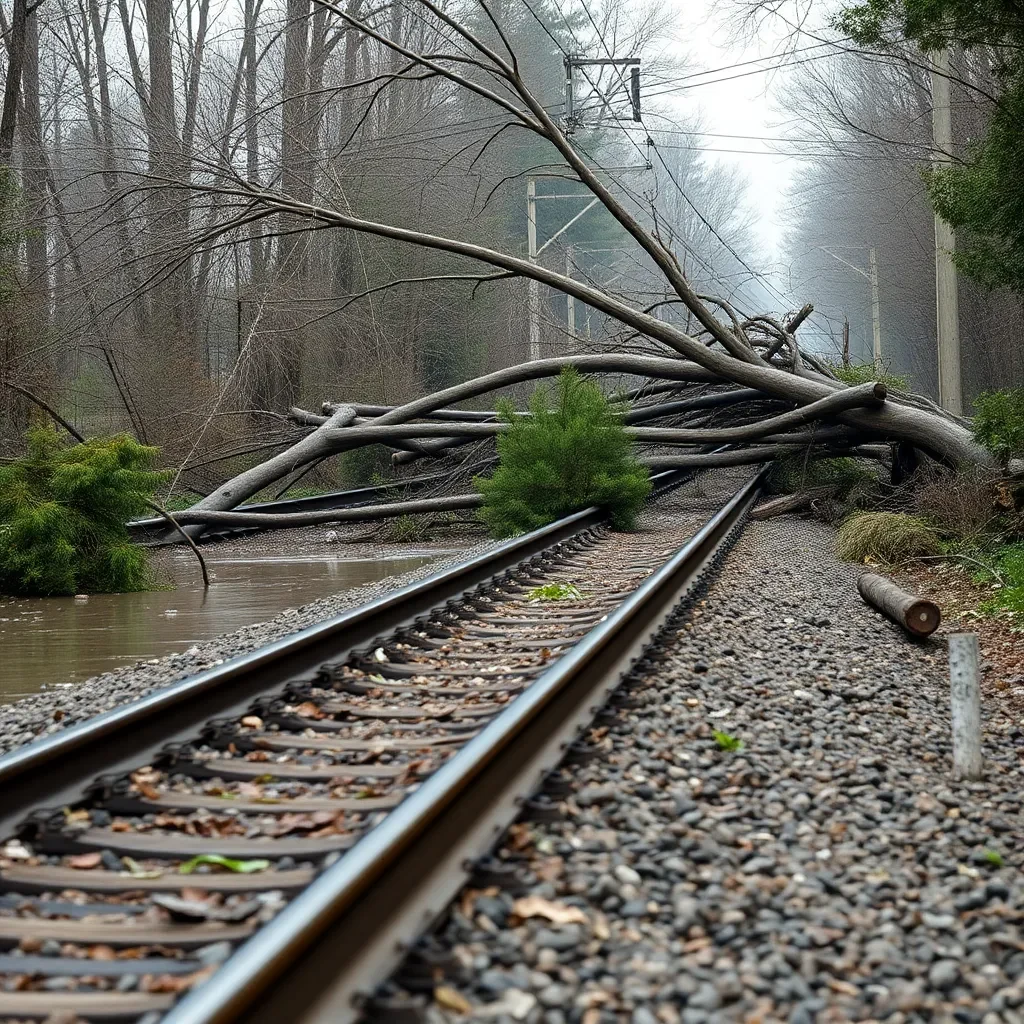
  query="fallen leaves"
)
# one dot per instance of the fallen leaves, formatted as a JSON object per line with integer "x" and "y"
{"x": 316, "y": 824}
{"x": 174, "y": 983}
{"x": 84, "y": 861}
{"x": 450, "y": 999}
{"x": 559, "y": 913}
{"x": 136, "y": 870}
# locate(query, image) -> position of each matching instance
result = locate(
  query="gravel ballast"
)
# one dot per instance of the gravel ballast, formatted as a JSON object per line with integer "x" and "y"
{"x": 829, "y": 870}
{"x": 57, "y": 707}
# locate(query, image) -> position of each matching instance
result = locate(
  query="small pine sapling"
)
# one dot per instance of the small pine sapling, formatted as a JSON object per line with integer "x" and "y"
{"x": 570, "y": 453}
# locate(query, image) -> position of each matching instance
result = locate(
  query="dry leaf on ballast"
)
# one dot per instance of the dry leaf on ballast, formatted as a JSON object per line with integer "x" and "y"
{"x": 452, "y": 1000}
{"x": 559, "y": 913}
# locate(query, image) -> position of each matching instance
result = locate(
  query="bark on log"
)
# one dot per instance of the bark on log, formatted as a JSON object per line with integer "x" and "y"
{"x": 246, "y": 484}
{"x": 763, "y": 453}
{"x": 789, "y": 503}
{"x": 916, "y": 615}
{"x": 831, "y": 405}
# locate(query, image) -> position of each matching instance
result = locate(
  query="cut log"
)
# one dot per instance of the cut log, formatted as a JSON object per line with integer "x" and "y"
{"x": 789, "y": 503}
{"x": 916, "y": 615}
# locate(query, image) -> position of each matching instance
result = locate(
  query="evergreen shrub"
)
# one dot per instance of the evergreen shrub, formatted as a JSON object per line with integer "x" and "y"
{"x": 572, "y": 452}
{"x": 63, "y": 509}
{"x": 999, "y": 422}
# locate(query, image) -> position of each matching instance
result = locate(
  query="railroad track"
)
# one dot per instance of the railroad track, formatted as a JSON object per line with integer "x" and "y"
{"x": 252, "y": 843}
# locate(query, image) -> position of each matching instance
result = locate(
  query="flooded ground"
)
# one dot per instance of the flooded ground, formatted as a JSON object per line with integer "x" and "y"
{"x": 66, "y": 640}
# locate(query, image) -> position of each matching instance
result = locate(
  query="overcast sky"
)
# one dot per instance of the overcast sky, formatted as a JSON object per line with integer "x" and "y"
{"x": 743, "y": 105}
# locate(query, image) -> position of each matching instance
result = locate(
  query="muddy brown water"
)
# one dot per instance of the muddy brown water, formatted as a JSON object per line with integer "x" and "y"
{"x": 66, "y": 640}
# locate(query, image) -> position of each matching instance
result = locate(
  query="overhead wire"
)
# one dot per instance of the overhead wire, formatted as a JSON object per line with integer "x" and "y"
{"x": 672, "y": 177}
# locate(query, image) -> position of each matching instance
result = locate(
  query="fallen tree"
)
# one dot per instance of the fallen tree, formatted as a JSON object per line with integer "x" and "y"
{"x": 739, "y": 378}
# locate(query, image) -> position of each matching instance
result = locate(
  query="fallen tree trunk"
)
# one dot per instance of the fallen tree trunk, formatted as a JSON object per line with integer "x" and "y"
{"x": 316, "y": 444}
{"x": 787, "y": 504}
{"x": 916, "y": 615}
{"x": 871, "y": 394}
{"x": 639, "y": 415}
{"x": 360, "y": 513}
{"x": 753, "y": 456}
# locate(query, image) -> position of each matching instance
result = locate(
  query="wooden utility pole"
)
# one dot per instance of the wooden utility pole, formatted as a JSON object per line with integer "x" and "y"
{"x": 947, "y": 316}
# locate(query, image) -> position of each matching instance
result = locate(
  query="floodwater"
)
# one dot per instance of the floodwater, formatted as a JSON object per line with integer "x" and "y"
{"x": 65, "y": 639}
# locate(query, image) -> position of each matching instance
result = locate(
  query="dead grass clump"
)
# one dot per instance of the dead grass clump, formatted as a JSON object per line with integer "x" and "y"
{"x": 886, "y": 537}
{"x": 963, "y": 503}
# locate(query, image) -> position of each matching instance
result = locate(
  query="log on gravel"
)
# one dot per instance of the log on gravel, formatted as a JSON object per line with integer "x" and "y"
{"x": 917, "y": 615}
{"x": 789, "y": 503}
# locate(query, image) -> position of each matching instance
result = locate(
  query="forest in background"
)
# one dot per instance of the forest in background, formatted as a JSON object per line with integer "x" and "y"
{"x": 133, "y": 304}
{"x": 134, "y": 300}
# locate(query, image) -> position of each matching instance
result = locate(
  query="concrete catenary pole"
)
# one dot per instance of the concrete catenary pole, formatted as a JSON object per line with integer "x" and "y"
{"x": 533, "y": 288}
{"x": 876, "y": 320}
{"x": 570, "y": 319}
{"x": 947, "y": 316}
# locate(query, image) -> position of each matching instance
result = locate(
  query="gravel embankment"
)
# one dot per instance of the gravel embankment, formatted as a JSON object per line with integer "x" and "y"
{"x": 830, "y": 870}
{"x": 57, "y": 707}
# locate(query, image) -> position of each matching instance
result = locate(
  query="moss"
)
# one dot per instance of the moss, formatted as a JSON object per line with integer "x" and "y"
{"x": 886, "y": 537}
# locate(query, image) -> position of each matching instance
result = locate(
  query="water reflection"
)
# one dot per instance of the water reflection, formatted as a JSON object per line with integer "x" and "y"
{"x": 66, "y": 639}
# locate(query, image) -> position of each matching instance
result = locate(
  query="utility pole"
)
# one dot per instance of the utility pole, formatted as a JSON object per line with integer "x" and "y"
{"x": 947, "y": 314}
{"x": 871, "y": 274}
{"x": 876, "y": 326}
{"x": 570, "y": 122}
{"x": 533, "y": 252}
{"x": 532, "y": 287}
{"x": 570, "y": 317}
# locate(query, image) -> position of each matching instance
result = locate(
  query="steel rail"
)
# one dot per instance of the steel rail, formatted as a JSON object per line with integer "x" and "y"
{"x": 320, "y": 957}
{"x": 56, "y": 771}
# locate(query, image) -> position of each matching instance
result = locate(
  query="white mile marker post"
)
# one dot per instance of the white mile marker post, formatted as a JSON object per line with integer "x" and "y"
{"x": 965, "y": 701}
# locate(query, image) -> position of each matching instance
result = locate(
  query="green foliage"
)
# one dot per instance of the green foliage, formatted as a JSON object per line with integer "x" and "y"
{"x": 407, "y": 530}
{"x": 732, "y": 744}
{"x": 242, "y": 867}
{"x": 556, "y": 592}
{"x": 62, "y": 513}
{"x": 370, "y": 466}
{"x": 567, "y": 456}
{"x": 1008, "y": 575}
{"x": 999, "y": 423}
{"x": 981, "y": 197}
{"x": 865, "y": 373}
{"x": 994, "y": 857}
{"x": 886, "y": 537}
